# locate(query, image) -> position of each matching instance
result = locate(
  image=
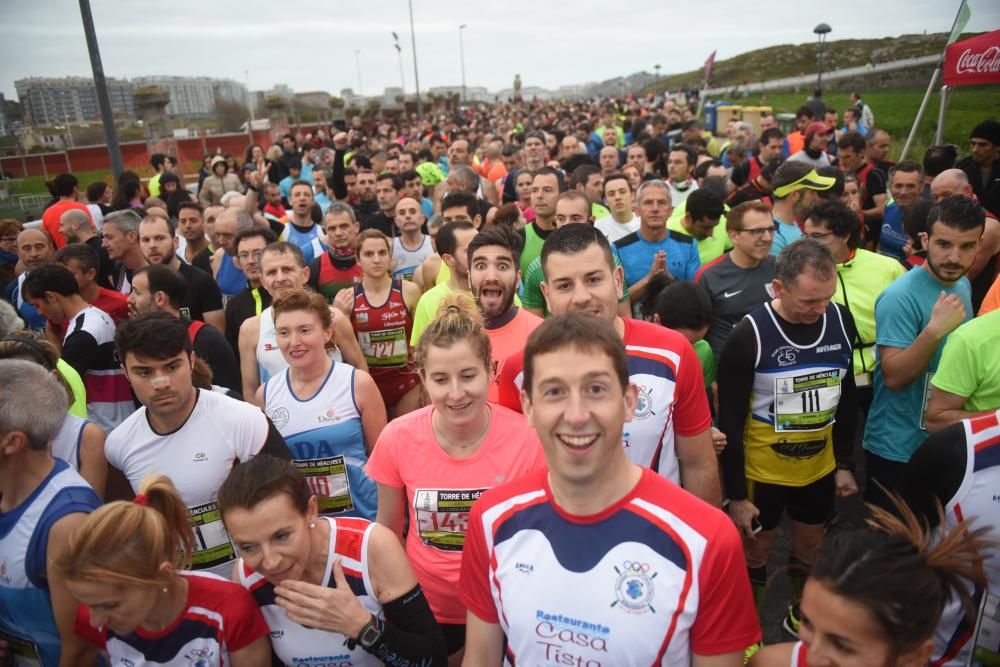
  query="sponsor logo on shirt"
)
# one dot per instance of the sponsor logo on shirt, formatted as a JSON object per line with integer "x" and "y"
{"x": 828, "y": 348}
{"x": 727, "y": 294}
{"x": 329, "y": 415}
{"x": 199, "y": 657}
{"x": 634, "y": 587}
{"x": 644, "y": 404}
{"x": 786, "y": 355}
{"x": 524, "y": 568}
{"x": 799, "y": 450}
{"x": 279, "y": 416}
{"x": 199, "y": 457}
{"x": 564, "y": 637}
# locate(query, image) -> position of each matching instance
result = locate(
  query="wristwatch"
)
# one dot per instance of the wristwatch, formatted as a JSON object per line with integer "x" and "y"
{"x": 370, "y": 634}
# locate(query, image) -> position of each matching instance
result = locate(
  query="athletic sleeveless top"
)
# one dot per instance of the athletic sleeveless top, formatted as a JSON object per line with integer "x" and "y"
{"x": 315, "y": 248}
{"x": 332, "y": 279}
{"x": 66, "y": 444}
{"x": 327, "y": 442}
{"x": 270, "y": 361}
{"x": 296, "y": 644}
{"x": 955, "y": 638}
{"x": 304, "y": 240}
{"x": 799, "y": 655}
{"x": 32, "y": 318}
{"x": 383, "y": 331}
{"x": 231, "y": 280}
{"x": 532, "y": 246}
{"x": 405, "y": 262}
{"x": 796, "y": 390}
{"x": 26, "y": 619}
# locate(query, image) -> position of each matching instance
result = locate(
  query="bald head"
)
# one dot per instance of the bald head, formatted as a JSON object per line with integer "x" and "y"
{"x": 409, "y": 215}
{"x": 76, "y": 225}
{"x": 950, "y": 182}
{"x": 34, "y": 248}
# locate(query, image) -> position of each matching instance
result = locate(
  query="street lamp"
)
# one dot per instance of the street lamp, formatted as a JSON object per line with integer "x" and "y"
{"x": 399, "y": 54}
{"x": 821, "y": 32}
{"x": 461, "y": 53}
{"x": 357, "y": 63}
{"x": 657, "y": 68}
{"x": 416, "y": 72}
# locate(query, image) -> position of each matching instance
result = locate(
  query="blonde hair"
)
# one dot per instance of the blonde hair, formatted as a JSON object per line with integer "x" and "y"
{"x": 125, "y": 543}
{"x": 458, "y": 318}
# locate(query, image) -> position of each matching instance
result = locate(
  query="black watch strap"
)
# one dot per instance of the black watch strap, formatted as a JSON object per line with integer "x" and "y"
{"x": 370, "y": 634}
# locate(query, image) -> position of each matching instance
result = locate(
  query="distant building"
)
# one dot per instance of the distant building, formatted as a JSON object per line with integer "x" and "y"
{"x": 194, "y": 97}
{"x": 71, "y": 99}
{"x": 315, "y": 98}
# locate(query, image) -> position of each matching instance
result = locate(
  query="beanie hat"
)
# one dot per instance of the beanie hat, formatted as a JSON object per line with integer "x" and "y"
{"x": 988, "y": 130}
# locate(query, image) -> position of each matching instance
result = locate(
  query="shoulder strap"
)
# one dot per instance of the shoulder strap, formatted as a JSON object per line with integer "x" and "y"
{"x": 194, "y": 328}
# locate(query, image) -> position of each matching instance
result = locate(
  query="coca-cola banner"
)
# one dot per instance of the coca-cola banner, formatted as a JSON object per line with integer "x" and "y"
{"x": 973, "y": 61}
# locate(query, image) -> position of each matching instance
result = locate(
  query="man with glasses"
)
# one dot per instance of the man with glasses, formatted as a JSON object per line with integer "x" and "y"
{"x": 254, "y": 299}
{"x": 739, "y": 280}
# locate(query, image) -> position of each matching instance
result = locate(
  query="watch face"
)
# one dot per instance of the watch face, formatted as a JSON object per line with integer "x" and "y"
{"x": 370, "y": 635}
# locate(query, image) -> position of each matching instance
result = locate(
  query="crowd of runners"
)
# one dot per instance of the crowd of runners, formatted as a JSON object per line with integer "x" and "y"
{"x": 533, "y": 383}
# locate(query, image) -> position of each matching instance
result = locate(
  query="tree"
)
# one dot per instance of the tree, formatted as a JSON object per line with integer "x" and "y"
{"x": 230, "y": 115}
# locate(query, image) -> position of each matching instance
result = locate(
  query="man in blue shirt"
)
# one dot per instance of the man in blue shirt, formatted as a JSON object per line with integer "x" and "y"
{"x": 913, "y": 318}
{"x": 653, "y": 248}
{"x": 795, "y": 185}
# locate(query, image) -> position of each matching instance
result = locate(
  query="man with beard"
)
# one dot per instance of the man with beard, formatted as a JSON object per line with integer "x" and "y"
{"x": 670, "y": 432}
{"x": 984, "y": 270}
{"x": 364, "y": 190}
{"x": 202, "y": 300}
{"x": 300, "y": 229}
{"x": 795, "y": 185}
{"x": 453, "y": 246}
{"x": 982, "y": 166}
{"x": 817, "y": 138}
{"x": 913, "y": 318}
{"x": 193, "y": 247}
{"x": 771, "y": 141}
{"x": 494, "y": 275}
{"x": 387, "y": 187}
{"x": 78, "y": 227}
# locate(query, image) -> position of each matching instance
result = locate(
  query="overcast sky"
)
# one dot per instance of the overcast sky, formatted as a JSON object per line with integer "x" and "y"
{"x": 311, "y": 44}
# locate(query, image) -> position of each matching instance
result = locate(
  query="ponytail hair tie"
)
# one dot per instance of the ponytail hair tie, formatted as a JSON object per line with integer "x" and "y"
{"x": 454, "y": 309}
{"x": 141, "y": 499}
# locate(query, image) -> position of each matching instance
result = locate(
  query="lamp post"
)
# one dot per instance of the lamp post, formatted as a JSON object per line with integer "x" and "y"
{"x": 103, "y": 98}
{"x": 657, "y": 68}
{"x": 399, "y": 54}
{"x": 357, "y": 63}
{"x": 821, "y": 32}
{"x": 416, "y": 72}
{"x": 461, "y": 54}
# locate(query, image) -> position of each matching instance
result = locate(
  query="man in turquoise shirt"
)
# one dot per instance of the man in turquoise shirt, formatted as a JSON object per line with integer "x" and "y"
{"x": 913, "y": 318}
{"x": 795, "y": 185}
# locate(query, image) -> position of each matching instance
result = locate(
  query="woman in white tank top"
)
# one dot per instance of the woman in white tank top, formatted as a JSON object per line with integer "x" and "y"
{"x": 326, "y": 586}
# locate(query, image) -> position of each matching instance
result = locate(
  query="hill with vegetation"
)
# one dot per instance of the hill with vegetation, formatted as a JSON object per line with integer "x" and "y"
{"x": 786, "y": 60}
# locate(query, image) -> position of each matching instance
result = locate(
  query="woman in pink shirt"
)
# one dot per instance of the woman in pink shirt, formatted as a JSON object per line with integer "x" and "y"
{"x": 432, "y": 464}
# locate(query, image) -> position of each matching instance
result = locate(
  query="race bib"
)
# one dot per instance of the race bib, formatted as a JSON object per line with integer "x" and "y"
{"x": 21, "y": 652}
{"x": 442, "y": 516}
{"x": 926, "y": 400}
{"x": 384, "y": 348}
{"x": 327, "y": 479}
{"x": 211, "y": 541}
{"x": 806, "y": 402}
{"x": 986, "y": 639}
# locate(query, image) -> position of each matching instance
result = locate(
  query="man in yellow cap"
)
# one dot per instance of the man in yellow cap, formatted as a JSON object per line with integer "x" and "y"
{"x": 795, "y": 185}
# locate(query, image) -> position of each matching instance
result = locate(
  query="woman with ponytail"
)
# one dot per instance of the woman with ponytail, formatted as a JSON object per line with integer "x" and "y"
{"x": 875, "y": 595}
{"x": 432, "y": 464}
{"x": 125, "y": 566}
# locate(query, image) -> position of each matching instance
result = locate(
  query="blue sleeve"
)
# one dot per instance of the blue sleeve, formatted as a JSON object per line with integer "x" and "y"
{"x": 69, "y": 500}
{"x": 693, "y": 264}
{"x": 896, "y": 323}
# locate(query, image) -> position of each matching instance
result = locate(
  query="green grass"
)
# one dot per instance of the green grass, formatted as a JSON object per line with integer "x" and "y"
{"x": 895, "y": 110}
{"x": 36, "y": 184}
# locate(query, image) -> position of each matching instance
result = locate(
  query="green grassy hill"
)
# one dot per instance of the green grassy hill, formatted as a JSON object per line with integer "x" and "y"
{"x": 776, "y": 62}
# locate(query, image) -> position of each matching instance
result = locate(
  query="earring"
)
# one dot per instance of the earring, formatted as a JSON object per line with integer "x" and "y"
{"x": 164, "y": 589}
{"x": 312, "y": 525}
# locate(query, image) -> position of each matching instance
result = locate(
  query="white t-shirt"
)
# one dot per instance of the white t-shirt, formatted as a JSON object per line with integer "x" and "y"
{"x": 615, "y": 230}
{"x": 197, "y": 458}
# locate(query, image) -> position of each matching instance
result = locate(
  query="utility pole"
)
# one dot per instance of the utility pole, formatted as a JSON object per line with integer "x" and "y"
{"x": 103, "y": 99}
{"x": 399, "y": 54}
{"x": 416, "y": 72}
{"x": 357, "y": 63}
{"x": 461, "y": 53}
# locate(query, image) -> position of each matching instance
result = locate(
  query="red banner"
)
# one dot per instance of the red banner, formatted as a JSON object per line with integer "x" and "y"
{"x": 709, "y": 64}
{"x": 973, "y": 61}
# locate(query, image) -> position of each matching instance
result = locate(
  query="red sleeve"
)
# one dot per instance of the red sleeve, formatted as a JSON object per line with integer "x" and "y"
{"x": 727, "y": 618}
{"x": 244, "y": 624}
{"x": 474, "y": 583}
{"x": 509, "y": 382}
{"x": 691, "y": 413}
{"x": 83, "y": 628}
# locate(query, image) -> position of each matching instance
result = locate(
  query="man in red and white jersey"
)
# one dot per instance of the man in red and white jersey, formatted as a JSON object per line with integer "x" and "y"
{"x": 959, "y": 467}
{"x": 672, "y": 422}
{"x": 597, "y": 560}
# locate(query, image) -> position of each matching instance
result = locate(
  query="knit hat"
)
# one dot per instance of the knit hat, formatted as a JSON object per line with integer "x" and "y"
{"x": 988, "y": 130}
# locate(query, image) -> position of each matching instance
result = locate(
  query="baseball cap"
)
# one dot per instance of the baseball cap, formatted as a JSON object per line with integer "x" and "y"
{"x": 817, "y": 127}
